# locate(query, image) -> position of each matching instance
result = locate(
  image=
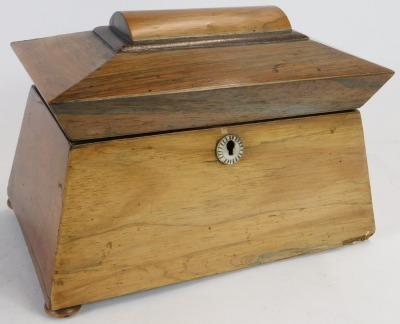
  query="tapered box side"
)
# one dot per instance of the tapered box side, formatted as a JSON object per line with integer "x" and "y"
{"x": 150, "y": 211}
{"x": 36, "y": 186}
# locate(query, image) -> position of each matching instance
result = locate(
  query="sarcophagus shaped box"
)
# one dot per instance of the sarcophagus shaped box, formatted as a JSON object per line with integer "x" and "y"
{"x": 172, "y": 145}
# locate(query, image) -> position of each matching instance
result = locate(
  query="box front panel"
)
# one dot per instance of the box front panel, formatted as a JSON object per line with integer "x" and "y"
{"x": 150, "y": 211}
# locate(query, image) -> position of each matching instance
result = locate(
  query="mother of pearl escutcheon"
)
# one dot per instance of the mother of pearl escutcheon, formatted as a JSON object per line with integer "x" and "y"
{"x": 229, "y": 149}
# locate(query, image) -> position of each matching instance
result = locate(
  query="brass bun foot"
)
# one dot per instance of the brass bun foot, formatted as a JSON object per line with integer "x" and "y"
{"x": 9, "y": 204}
{"x": 62, "y": 313}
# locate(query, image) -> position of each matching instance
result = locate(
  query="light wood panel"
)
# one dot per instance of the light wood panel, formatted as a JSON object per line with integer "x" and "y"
{"x": 36, "y": 186}
{"x": 145, "y": 212}
{"x": 161, "y": 24}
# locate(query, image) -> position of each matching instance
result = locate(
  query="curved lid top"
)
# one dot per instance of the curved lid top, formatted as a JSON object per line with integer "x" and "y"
{"x": 157, "y": 24}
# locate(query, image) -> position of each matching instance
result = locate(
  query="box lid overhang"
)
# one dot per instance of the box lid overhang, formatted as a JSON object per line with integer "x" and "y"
{"x": 106, "y": 83}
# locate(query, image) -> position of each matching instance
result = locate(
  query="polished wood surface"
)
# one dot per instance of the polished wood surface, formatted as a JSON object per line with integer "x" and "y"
{"x": 141, "y": 74}
{"x": 97, "y": 92}
{"x": 57, "y": 63}
{"x": 36, "y": 186}
{"x": 145, "y": 212}
{"x": 85, "y": 120}
{"x": 162, "y": 24}
{"x": 214, "y": 86}
{"x": 115, "y": 180}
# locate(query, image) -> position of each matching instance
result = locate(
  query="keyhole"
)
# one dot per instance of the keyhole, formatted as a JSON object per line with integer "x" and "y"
{"x": 230, "y": 146}
{"x": 229, "y": 149}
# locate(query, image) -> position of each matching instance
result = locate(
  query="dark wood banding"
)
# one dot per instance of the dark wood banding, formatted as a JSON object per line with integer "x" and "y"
{"x": 85, "y": 120}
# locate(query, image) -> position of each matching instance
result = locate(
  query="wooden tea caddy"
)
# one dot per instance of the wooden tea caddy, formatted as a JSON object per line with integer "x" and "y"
{"x": 172, "y": 145}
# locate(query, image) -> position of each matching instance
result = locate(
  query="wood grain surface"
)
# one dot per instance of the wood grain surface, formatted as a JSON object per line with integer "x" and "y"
{"x": 214, "y": 86}
{"x": 140, "y": 74}
{"x": 57, "y": 63}
{"x": 36, "y": 186}
{"x": 85, "y": 120}
{"x": 140, "y": 213}
{"x": 98, "y": 93}
{"x": 153, "y": 25}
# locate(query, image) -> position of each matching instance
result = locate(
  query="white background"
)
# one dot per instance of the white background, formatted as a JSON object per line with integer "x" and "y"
{"x": 355, "y": 284}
